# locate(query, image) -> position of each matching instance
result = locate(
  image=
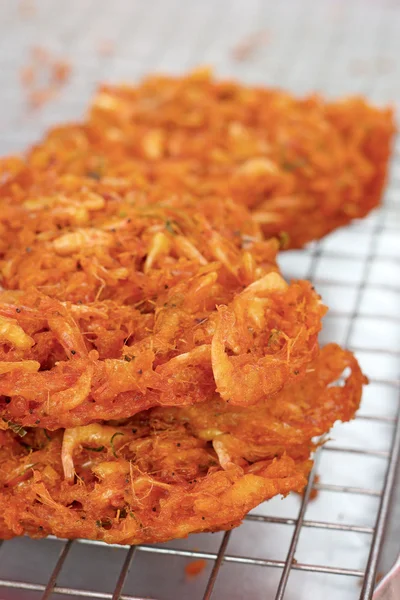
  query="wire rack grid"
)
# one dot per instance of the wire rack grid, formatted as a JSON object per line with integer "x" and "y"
{"x": 297, "y": 548}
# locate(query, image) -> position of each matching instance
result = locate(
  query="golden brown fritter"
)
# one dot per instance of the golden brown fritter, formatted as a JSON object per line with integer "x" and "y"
{"x": 158, "y": 376}
{"x": 117, "y": 303}
{"x": 304, "y": 166}
{"x": 169, "y": 472}
{"x": 63, "y": 364}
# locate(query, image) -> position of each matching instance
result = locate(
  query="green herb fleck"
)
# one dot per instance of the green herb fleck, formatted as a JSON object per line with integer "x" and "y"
{"x": 283, "y": 239}
{"x": 98, "y": 171}
{"x": 98, "y": 449}
{"x": 292, "y": 165}
{"x": 27, "y": 446}
{"x": 106, "y": 522}
{"x": 169, "y": 226}
{"x": 112, "y": 442}
{"x": 274, "y": 337}
{"x": 18, "y": 429}
{"x": 28, "y": 468}
{"x": 93, "y": 175}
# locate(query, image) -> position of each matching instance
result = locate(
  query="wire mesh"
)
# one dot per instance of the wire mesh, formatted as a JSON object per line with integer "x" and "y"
{"x": 299, "y": 548}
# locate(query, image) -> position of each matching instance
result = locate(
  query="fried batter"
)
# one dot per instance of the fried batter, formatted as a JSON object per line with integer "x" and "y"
{"x": 123, "y": 249}
{"x": 139, "y": 301}
{"x": 158, "y": 376}
{"x": 303, "y": 166}
{"x": 169, "y": 472}
{"x": 64, "y": 365}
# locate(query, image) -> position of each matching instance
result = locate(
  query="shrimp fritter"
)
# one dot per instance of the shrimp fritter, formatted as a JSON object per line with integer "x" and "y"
{"x": 64, "y": 364}
{"x": 169, "y": 472}
{"x": 302, "y": 166}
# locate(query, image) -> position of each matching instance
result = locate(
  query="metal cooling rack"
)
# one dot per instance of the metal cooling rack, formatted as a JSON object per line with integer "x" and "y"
{"x": 327, "y": 547}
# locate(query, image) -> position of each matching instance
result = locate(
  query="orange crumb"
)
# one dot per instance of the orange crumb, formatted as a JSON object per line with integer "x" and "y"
{"x": 379, "y": 576}
{"x": 40, "y": 54}
{"x": 314, "y": 492}
{"x": 26, "y": 8}
{"x": 28, "y": 76}
{"x": 249, "y": 45}
{"x": 36, "y": 98}
{"x": 106, "y": 48}
{"x": 195, "y": 567}
{"x": 61, "y": 71}
{"x": 43, "y": 77}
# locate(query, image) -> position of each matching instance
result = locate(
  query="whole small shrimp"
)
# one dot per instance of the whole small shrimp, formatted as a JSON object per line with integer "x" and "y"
{"x": 13, "y": 334}
{"x": 95, "y": 435}
{"x": 243, "y": 379}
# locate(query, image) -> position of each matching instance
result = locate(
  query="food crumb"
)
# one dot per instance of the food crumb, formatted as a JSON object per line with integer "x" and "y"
{"x": 43, "y": 77}
{"x": 40, "y": 54}
{"x": 105, "y": 48}
{"x": 60, "y": 71}
{"x": 314, "y": 492}
{"x": 26, "y": 8}
{"x": 195, "y": 567}
{"x": 27, "y": 76}
{"x": 249, "y": 45}
{"x": 378, "y": 577}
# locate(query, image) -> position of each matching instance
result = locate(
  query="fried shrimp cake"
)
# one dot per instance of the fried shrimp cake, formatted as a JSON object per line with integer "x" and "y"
{"x": 169, "y": 472}
{"x": 303, "y": 166}
{"x": 64, "y": 364}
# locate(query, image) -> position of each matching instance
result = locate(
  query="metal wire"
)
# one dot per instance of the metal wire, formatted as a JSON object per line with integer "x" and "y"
{"x": 370, "y": 571}
{"x": 217, "y": 565}
{"x": 296, "y": 533}
{"x": 223, "y": 23}
{"x": 56, "y": 571}
{"x": 123, "y": 573}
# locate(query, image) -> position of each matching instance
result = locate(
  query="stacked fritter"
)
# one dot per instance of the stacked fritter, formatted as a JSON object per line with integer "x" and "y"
{"x": 158, "y": 376}
{"x": 303, "y": 166}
